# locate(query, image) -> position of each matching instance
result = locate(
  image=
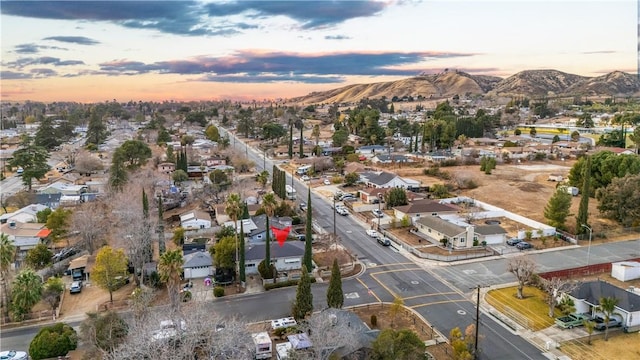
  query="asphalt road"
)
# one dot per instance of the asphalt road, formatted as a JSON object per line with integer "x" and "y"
{"x": 389, "y": 274}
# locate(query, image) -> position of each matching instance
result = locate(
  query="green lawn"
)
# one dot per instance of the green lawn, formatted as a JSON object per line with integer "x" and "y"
{"x": 530, "y": 312}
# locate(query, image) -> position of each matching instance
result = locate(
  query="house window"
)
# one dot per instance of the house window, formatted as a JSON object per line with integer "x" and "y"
{"x": 462, "y": 240}
{"x": 250, "y": 265}
{"x": 434, "y": 214}
{"x": 428, "y": 230}
{"x": 259, "y": 237}
{"x": 417, "y": 215}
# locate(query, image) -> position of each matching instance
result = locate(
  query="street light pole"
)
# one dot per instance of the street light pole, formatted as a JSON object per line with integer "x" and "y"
{"x": 475, "y": 345}
{"x": 378, "y": 215}
{"x": 589, "y": 247}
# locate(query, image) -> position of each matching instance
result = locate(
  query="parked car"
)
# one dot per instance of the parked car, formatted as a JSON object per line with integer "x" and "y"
{"x": 75, "y": 287}
{"x": 342, "y": 211}
{"x": 384, "y": 241}
{"x": 377, "y": 213}
{"x": 303, "y": 206}
{"x": 372, "y": 233}
{"x": 13, "y": 355}
{"x": 602, "y": 325}
{"x": 305, "y": 178}
{"x": 522, "y": 245}
{"x": 513, "y": 241}
{"x": 327, "y": 182}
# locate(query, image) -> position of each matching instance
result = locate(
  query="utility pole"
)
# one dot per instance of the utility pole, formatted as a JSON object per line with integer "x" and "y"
{"x": 334, "y": 218}
{"x": 475, "y": 345}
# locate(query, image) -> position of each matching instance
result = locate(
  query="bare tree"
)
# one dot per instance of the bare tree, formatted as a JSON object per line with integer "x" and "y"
{"x": 91, "y": 224}
{"x": 134, "y": 231}
{"x": 523, "y": 267}
{"x": 332, "y": 330}
{"x": 556, "y": 287}
{"x": 193, "y": 332}
{"x": 85, "y": 162}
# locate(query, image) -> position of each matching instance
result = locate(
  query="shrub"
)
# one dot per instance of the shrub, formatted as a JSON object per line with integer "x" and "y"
{"x": 374, "y": 320}
{"x": 218, "y": 291}
{"x": 284, "y": 284}
{"x": 266, "y": 272}
{"x": 53, "y": 341}
{"x": 154, "y": 280}
{"x": 187, "y": 296}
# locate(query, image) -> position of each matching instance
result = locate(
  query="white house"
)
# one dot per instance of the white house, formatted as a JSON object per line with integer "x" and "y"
{"x": 195, "y": 220}
{"x": 371, "y": 150}
{"x": 437, "y": 229}
{"x": 27, "y": 214}
{"x": 197, "y": 265}
{"x": 586, "y": 298}
{"x": 287, "y": 257}
{"x": 385, "y": 179}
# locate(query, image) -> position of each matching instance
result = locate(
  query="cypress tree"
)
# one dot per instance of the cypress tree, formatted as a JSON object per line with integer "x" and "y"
{"x": 335, "y": 296}
{"x": 290, "y": 140}
{"x": 301, "y": 140}
{"x": 583, "y": 210}
{"x": 162, "y": 247}
{"x": 304, "y": 298}
{"x": 307, "y": 260}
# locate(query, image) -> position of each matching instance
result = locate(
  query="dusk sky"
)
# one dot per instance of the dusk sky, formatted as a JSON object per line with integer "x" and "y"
{"x": 92, "y": 51}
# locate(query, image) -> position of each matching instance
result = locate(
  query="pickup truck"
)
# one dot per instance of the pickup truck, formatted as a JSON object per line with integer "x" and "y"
{"x": 601, "y": 324}
{"x": 570, "y": 321}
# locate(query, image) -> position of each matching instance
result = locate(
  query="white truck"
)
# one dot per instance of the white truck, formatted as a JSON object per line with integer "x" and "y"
{"x": 263, "y": 345}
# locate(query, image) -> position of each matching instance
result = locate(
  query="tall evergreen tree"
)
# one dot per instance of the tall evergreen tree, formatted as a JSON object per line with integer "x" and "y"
{"x": 301, "y": 140}
{"x": 307, "y": 260}
{"x": 583, "y": 210}
{"x": 32, "y": 159}
{"x": 303, "y": 304}
{"x": 557, "y": 209}
{"x": 118, "y": 172}
{"x": 146, "y": 227}
{"x": 335, "y": 296}
{"x": 47, "y": 135}
{"x": 96, "y": 130}
{"x": 290, "y": 140}
{"x": 162, "y": 247}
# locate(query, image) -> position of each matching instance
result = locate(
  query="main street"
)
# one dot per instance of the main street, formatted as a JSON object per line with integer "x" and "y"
{"x": 389, "y": 275}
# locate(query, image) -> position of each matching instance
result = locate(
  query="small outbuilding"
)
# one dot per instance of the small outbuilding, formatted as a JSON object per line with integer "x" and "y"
{"x": 625, "y": 270}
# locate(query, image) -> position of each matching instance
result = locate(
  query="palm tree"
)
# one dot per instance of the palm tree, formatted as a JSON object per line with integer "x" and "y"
{"x": 27, "y": 291}
{"x": 234, "y": 210}
{"x": 170, "y": 269}
{"x": 315, "y": 132}
{"x": 7, "y": 256}
{"x": 608, "y": 308}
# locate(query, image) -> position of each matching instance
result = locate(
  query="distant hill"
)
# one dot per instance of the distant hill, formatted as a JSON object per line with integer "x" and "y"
{"x": 530, "y": 83}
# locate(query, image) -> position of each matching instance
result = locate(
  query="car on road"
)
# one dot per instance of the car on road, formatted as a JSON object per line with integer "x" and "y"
{"x": 513, "y": 241}
{"x": 342, "y": 211}
{"x": 522, "y": 245}
{"x": 377, "y": 213}
{"x": 303, "y": 206}
{"x": 305, "y": 178}
{"x": 372, "y": 233}
{"x": 346, "y": 196}
{"x": 13, "y": 355}
{"x": 326, "y": 182}
{"x": 75, "y": 287}
{"x": 601, "y": 324}
{"x": 384, "y": 241}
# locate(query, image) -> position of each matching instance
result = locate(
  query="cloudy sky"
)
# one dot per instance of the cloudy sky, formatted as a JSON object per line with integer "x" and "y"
{"x": 181, "y": 50}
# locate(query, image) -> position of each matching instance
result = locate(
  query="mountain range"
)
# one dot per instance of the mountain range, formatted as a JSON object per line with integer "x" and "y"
{"x": 528, "y": 83}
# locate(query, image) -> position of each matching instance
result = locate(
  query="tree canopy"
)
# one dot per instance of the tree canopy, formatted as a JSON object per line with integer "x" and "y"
{"x": 32, "y": 159}
{"x": 620, "y": 200}
{"x": 557, "y": 209}
{"x": 110, "y": 264}
{"x": 134, "y": 153}
{"x": 398, "y": 345}
{"x": 53, "y": 341}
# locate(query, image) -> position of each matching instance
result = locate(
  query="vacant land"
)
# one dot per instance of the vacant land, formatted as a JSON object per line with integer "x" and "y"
{"x": 619, "y": 347}
{"x": 530, "y": 312}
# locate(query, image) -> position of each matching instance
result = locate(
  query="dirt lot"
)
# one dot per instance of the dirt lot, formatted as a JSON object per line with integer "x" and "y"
{"x": 90, "y": 298}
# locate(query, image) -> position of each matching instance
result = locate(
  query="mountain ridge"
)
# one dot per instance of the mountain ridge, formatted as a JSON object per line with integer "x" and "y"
{"x": 528, "y": 83}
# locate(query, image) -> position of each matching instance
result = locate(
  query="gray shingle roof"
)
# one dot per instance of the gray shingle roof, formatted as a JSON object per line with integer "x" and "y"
{"x": 489, "y": 229}
{"x": 592, "y": 291}
{"x": 288, "y": 249}
{"x": 441, "y": 226}
{"x": 382, "y": 178}
{"x": 197, "y": 259}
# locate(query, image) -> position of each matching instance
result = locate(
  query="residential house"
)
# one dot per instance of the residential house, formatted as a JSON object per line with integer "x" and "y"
{"x": 27, "y": 214}
{"x": 391, "y": 159}
{"x": 371, "y": 150}
{"x": 421, "y": 208}
{"x": 25, "y": 236}
{"x": 287, "y": 257}
{"x": 387, "y": 180}
{"x": 195, "y": 219}
{"x": 331, "y": 151}
{"x": 372, "y": 195}
{"x": 166, "y": 167}
{"x": 259, "y": 233}
{"x": 586, "y": 298}
{"x": 64, "y": 189}
{"x": 215, "y": 161}
{"x": 223, "y": 219}
{"x": 439, "y": 156}
{"x": 49, "y": 200}
{"x": 197, "y": 264}
{"x": 436, "y": 228}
